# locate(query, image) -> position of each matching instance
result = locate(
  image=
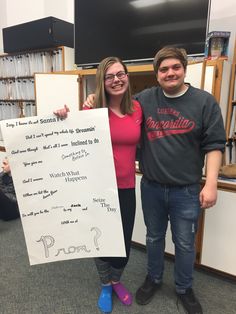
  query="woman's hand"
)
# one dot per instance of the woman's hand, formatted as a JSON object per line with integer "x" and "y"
{"x": 62, "y": 113}
{"x": 89, "y": 102}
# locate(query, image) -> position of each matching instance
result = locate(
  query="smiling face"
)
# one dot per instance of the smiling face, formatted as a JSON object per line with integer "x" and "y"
{"x": 170, "y": 76}
{"x": 116, "y": 80}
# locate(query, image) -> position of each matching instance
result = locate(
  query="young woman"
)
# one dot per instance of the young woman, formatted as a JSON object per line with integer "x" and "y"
{"x": 125, "y": 117}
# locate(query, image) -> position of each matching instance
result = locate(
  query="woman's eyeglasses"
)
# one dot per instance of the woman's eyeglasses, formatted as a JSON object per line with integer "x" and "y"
{"x": 110, "y": 77}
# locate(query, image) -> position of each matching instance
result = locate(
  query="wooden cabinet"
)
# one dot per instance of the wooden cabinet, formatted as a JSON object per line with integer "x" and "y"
{"x": 231, "y": 118}
{"x": 219, "y": 234}
{"x": 207, "y": 75}
{"x": 141, "y": 77}
{"x": 211, "y": 76}
{"x": 231, "y": 112}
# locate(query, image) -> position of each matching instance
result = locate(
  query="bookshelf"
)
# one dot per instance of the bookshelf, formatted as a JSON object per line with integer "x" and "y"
{"x": 17, "y": 83}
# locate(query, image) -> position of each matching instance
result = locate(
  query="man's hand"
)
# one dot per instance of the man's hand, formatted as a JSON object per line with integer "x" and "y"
{"x": 208, "y": 196}
{"x": 89, "y": 102}
{"x": 62, "y": 113}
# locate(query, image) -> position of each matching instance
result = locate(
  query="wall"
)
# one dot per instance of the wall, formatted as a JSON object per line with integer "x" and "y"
{"x": 14, "y": 12}
{"x": 3, "y": 20}
{"x": 62, "y": 9}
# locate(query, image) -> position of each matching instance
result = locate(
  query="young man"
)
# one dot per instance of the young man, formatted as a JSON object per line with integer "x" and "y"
{"x": 181, "y": 125}
{"x": 9, "y": 207}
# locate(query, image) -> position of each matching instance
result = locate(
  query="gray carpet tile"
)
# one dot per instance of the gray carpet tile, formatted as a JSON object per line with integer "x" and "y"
{"x": 72, "y": 287}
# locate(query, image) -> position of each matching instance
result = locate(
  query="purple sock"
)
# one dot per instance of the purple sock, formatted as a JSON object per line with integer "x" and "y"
{"x": 122, "y": 293}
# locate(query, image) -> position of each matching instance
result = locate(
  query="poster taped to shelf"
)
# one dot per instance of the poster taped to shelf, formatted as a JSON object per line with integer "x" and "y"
{"x": 64, "y": 176}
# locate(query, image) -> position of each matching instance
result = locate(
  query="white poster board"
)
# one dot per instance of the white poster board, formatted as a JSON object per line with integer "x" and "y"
{"x": 194, "y": 74}
{"x": 209, "y": 75}
{"x": 53, "y": 91}
{"x": 64, "y": 176}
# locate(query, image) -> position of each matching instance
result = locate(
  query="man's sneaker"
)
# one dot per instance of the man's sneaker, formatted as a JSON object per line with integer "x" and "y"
{"x": 190, "y": 302}
{"x": 146, "y": 292}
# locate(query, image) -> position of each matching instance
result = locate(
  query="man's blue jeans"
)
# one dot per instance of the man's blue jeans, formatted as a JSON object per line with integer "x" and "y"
{"x": 180, "y": 205}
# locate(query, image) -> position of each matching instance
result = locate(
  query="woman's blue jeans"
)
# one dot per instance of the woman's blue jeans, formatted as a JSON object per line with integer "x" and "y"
{"x": 180, "y": 205}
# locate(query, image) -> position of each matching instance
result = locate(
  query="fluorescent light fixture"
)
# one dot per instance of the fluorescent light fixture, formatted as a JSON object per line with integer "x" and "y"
{"x": 139, "y": 4}
{"x": 170, "y": 27}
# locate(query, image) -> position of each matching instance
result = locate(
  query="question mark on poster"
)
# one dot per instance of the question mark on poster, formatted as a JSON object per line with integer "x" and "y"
{"x": 97, "y": 235}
